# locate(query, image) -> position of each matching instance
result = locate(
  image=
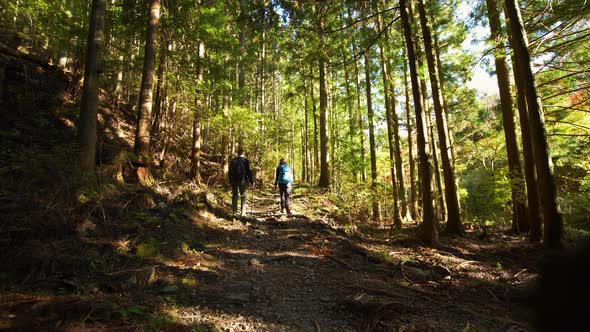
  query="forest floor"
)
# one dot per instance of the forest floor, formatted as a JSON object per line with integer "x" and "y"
{"x": 178, "y": 267}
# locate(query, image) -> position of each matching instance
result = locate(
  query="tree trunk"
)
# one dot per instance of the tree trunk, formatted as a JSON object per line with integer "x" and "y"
{"x": 454, "y": 224}
{"x": 552, "y": 218}
{"x": 532, "y": 188}
{"x": 142, "y": 134}
{"x": 399, "y": 163}
{"x": 351, "y": 117}
{"x": 263, "y": 60}
{"x": 324, "y": 140}
{"x": 391, "y": 140}
{"x": 439, "y": 194}
{"x": 413, "y": 191}
{"x": 305, "y": 143}
{"x": 119, "y": 84}
{"x": 370, "y": 116}
{"x": 89, "y": 103}
{"x": 159, "y": 86}
{"x": 241, "y": 74}
{"x": 389, "y": 116}
{"x": 360, "y": 123}
{"x": 519, "y": 222}
{"x": 444, "y": 99}
{"x": 196, "y": 143}
{"x": 428, "y": 232}
{"x": 316, "y": 154}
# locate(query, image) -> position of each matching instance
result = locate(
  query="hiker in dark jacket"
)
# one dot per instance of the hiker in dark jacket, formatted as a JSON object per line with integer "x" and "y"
{"x": 284, "y": 178}
{"x": 239, "y": 178}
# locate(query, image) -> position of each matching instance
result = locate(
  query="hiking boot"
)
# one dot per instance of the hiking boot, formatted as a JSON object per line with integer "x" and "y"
{"x": 282, "y": 211}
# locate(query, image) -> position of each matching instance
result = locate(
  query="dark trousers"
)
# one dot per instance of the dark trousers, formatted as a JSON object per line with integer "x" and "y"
{"x": 241, "y": 188}
{"x": 285, "y": 190}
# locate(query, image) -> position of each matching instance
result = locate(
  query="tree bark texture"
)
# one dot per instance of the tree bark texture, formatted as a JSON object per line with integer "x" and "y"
{"x": 142, "y": 133}
{"x": 197, "y": 115}
{"x": 552, "y": 218}
{"x": 89, "y": 103}
{"x": 428, "y": 232}
{"x": 370, "y": 120}
{"x": 532, "y": 188}
{"x": 324, "y": 139}
{"x": 519, "y": 222}
{"x": 389, "y": 110}
{"x": 397, "y": 220}
{"x": 157, "y": 107}
{"x": 454, "y": 224}
{"x": 413, "y": 190}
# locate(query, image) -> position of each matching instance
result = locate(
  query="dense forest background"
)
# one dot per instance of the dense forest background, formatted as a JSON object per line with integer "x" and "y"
{"x": 107, "y": 100}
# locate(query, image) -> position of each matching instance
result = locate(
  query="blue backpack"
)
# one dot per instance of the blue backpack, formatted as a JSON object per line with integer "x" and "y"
{"x": 285, "y": 174}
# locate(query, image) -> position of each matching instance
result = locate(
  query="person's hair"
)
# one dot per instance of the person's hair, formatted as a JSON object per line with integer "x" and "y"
{"x": 241, "y": 151}
{"x": 283, "y": 161}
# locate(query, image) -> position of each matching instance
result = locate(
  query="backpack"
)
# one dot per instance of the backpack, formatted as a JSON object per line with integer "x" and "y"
{"x": 285, "y": 175}
{"x": 237, "y": 169}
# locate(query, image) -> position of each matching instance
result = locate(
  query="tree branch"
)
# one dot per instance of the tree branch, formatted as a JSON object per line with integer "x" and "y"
{"x": 360, "y": 20}
{"x": 363, "y": 51}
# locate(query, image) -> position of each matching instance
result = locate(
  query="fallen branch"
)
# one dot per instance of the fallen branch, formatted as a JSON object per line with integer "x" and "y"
{"x": 25, "y": 56}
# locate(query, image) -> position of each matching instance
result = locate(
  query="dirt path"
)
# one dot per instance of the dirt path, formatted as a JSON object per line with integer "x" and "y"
{"x": 297, "y": 273}
{"x": 175, "y": 266}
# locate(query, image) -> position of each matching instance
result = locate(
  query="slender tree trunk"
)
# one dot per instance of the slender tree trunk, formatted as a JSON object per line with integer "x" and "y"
{"x": 357, "y": 112}
{"x": 324, "y": 140}
{"x": 399, "y": 163}
{"x": 454, "y": 224}
{"x": 552, "y": 218}
{"x": 316, "y": 154}
{"x": 413, "y": 191}
{"x": 197, "y": 115}
{"x": 428, "y": 232}
{"x": 360, "y": 123}
{"x": 439, "y": 194}
{"x": 519, "y": 221}
{"x": 351, "y": 117}
{"x": 159, "y": 86}
{"x": 305, "y": 144}
{"x": 533, "y": 211}
{"x": 444, "y": 99}
{"x": 389, "y": 115}
{"x": 89, "y": 103}
{"x": 333, "y": 133}
{"x": 263, "y": 61}
{"x": 370, "y": 116}
{"x": 119, "y": 84}
{"x": 241, "y": 74}
{"x": 142, "y": 134}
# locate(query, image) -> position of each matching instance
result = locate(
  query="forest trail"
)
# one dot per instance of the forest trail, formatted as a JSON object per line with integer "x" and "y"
{"x": 176, "y": 266}
{"x": 298, "y": 273}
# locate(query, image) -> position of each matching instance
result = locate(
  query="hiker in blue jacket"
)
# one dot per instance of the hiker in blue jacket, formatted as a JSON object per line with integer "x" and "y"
{"x": 239, "y": 177}
{"x": 284, "y": 178}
